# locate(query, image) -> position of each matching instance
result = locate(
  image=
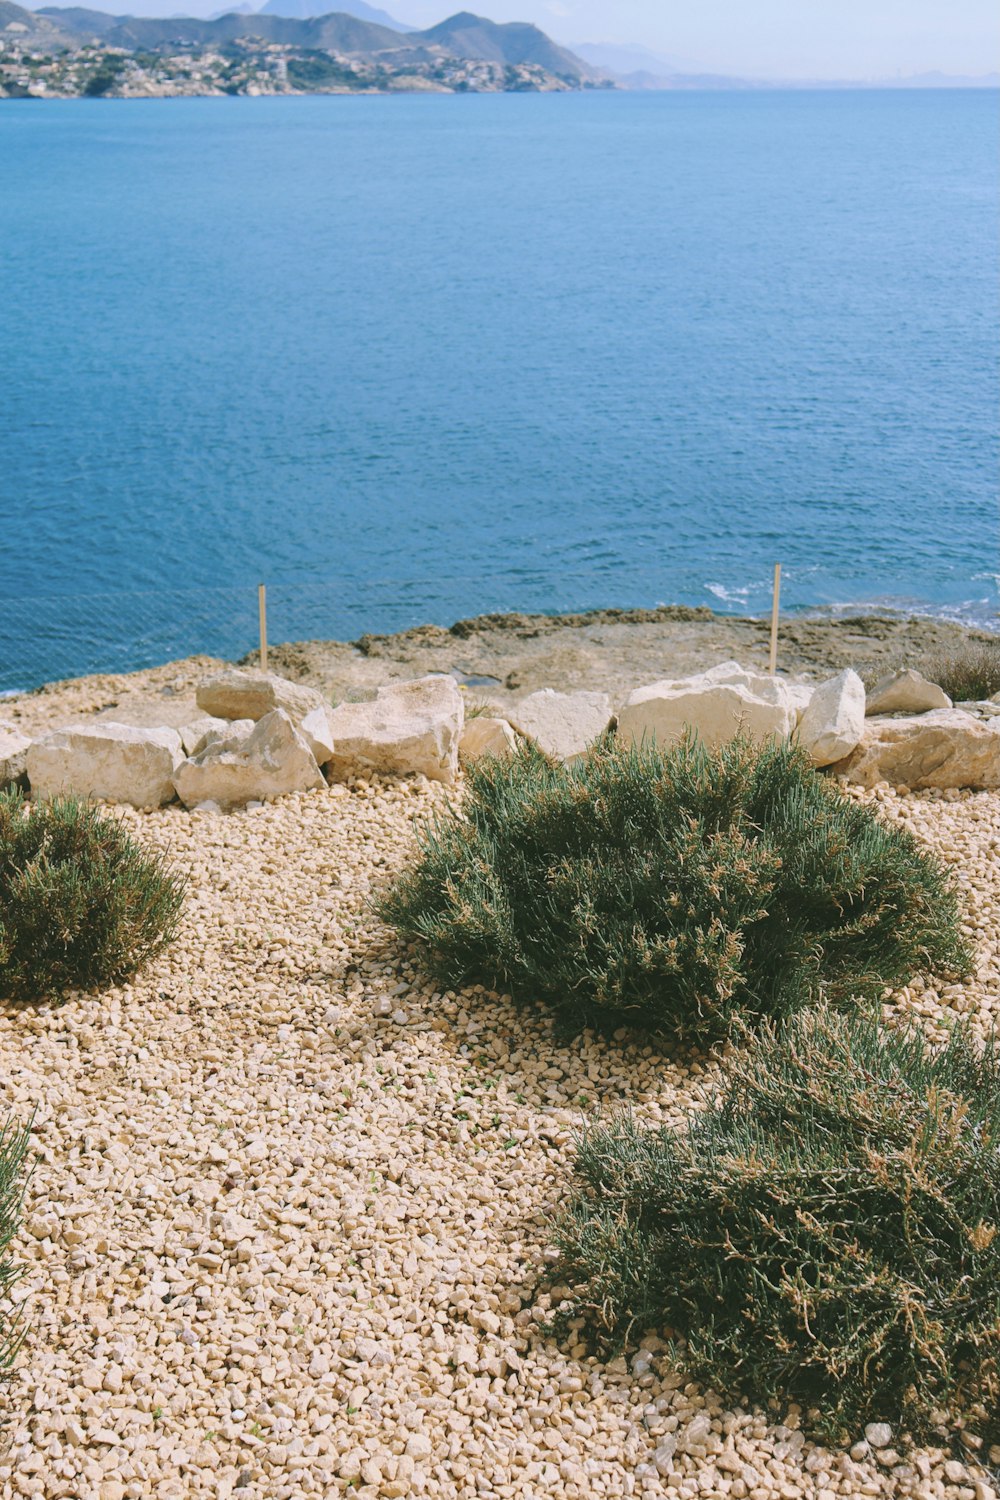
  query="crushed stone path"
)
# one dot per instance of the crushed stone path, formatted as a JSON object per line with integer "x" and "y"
{"x": 291, "y": 1206}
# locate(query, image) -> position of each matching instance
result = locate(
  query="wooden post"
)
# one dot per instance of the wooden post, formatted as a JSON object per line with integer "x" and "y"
{"x": 773, "y": 667}
{"x": 262, "y": 612}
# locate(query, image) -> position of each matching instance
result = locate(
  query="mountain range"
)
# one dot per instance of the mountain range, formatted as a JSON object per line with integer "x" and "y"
{"x": 364, "y": 31}
{"x": 463, "y": 35}
{"x": 304, "y": 10}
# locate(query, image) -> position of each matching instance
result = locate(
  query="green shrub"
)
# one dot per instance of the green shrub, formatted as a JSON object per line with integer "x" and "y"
{"x": 13, "y": 1149}
{"x": 827, "y": 1231}
{"x": 673, "y": 891}
{"x": 81, "y": 904}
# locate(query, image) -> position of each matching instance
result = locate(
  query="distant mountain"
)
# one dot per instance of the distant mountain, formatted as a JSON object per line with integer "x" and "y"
{"x": 76, "y": 18}
{"x": 24, "y": 26}
{"x": 337, "y": 32}
{"x": 464, "y": 36}
{"x": 944, "y": 81}
{"x": 243, "y": 9}
{"x": 622, "y": 60}
{"x": 304, "y": 10}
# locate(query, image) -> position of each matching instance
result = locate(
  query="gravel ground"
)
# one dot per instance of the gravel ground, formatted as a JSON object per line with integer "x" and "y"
{"x": 291, "y": 1204}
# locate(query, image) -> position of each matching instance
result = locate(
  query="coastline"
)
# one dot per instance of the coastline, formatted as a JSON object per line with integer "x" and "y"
{"x": 501, "y": 658}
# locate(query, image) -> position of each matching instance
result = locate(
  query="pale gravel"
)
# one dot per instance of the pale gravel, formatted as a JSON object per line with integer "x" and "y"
{"x": 278, "y": 1245}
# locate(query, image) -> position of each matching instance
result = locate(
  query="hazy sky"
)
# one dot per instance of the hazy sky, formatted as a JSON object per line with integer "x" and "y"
{"x": 774, "y": 38}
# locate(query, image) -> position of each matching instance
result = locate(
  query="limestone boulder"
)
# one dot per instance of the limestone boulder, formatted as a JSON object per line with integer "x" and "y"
{"x": 237, "y": 694}
{"x": 316, "y": 729}
{"x": 717, "y": 711}
{"x": 942, "y": 748}
{"x": 483, "y": 736}
{"x": 906, "y": 693}
{"x": 783, "y": 691}
{"x": 270, "y": 760}
{"x": 834, "y": 721}
{"x": 409, "y": 727}
{"x": 114, "y": 762}
{"x": 13, "y": 754}
{"x": 562, "y": 725}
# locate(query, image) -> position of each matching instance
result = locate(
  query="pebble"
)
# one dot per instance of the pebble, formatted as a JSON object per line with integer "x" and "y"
{"x": 275, "y": 1247}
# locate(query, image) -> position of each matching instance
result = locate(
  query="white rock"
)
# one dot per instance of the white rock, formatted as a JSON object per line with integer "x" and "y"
{"x": 779, "y": 690}
{"x": 761, "y": 707}
{"x": 317, "y": 731}
{"x": 879, "y": 1434}
{"x": 834, "y": 722}
{"x": 270, "y": 761}
{"x": 201, "y": 731}
{"x": 410, "y": 727}
{"x": 13, "y": 754}
{"x": 906, "y": 693}
{"x": 235, "y": 694}
{"x": 486, "y": 736}
{"x": 116, "y": 762}
{"x": 562, "y": 725}
{"x": 725, "y": 671}
{"x": 942, "y": 748}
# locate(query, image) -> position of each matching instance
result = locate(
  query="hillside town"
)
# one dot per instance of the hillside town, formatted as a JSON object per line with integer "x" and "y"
{"x": 247, "y": 66}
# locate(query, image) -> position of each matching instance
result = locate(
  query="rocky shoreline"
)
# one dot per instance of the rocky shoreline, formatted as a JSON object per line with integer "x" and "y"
{"x": 503, "y": 658}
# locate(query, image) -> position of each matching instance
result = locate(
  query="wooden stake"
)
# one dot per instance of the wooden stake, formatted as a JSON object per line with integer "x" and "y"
{"x": 262, "y": 612}
{"x": 774, "y": 619}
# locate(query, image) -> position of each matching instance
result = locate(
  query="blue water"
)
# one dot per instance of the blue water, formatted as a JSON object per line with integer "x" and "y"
{"x": 408, "y": 359}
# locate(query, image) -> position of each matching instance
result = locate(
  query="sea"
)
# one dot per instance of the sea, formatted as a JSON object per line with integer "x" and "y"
{"x": 410, "y": 359}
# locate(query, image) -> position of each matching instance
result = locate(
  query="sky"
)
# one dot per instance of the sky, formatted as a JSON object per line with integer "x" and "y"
{"x": 765, "y": 38}
{"x": 776, "y": 39}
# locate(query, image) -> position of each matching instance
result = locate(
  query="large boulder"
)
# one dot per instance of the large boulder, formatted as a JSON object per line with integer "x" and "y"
{"x": 115, "y": 762}
{"x": 716, "y": 710}
{"x": 269, "y": 760}
{"x": 782, "y": 691}
{"x": 562, "y": 725}
{"x": 486, "y": 736}
{"x": 13, "y": 754}
{"x": 409, "y": 727}
{"x": 906, "y": 693}
{"x": 834, "y": 721}
{"x": 942, "y": 748}
{"x": 235, "y": 694}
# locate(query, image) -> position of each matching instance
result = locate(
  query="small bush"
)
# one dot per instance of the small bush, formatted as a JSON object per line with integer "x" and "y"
{"x": 827, "y": 1231}
{"x": 673, "y": 891}
{"x": 81, "y": 904}
{"x": 969, "y": 674}
{"x": 13, "y": 1149}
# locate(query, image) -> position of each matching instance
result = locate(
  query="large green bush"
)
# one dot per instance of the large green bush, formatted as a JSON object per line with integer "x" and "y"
{"x": 81, "y": 903}
{"x": 673, "y": 890}
{"x": 827, "y": 1231}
